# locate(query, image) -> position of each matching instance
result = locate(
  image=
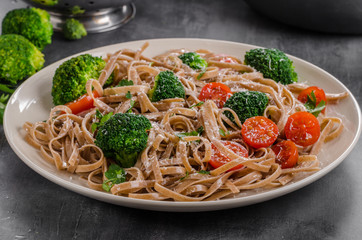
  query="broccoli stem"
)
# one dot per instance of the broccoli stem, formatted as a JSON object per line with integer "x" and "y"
{"x": 126, "y": 160}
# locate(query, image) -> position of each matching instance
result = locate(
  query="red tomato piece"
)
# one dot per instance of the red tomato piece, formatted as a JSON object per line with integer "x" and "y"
{"x": 286, "y": 153}
{"x": 259, "y": 132}
{"x": 217, "y": 92}
{"x": 83, "y": 103}
{"x": 302, "y": 128}
{"x": 318, "y": 92}
{"x": 218, "y": 159}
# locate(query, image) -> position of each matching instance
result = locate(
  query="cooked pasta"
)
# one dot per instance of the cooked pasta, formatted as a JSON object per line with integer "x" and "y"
{"x": 172, "y": 167}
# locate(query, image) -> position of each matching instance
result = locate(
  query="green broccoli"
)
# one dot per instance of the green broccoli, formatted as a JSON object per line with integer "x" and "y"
{"x": 71, "y": 77}
{"x": 3, "y": 100}
{"x": 246, "y": 104}
{"x": 77, "y": 10}
{"x": 46, "y": 2}
{"x": 123, "y": 136}
{"x": 5, "y": 93}
{"x": 272, "y": 63}
{"x": 73, "y": 29}
{"x": 167, "y": 85}
{"x": 32, "y": 23}
{"x": 19, "y": 58}
{"x": 193, "y": 60}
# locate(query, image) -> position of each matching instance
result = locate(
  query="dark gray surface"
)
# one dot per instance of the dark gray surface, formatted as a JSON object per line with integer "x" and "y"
{"x": 32, "y": 207}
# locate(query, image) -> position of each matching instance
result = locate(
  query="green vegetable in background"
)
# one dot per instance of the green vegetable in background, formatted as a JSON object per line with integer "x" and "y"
{"x": 32, "y": 23}
{"x": 123, "y": 137}
{"x": 71, "y": 76}
{"x": 46, "y": 2}
{"x": 167, "y": 85}
{"x": 5, "y": 88}
{"x": 272, "y": 63}
{"x": 246, "y": 104}
{"x": 115, "y": 175}
{"x": 3, "y": 100}
{"x": 73, "y": 29}
{"x": 19, "y": 58}
{"x": 77, "y": 10}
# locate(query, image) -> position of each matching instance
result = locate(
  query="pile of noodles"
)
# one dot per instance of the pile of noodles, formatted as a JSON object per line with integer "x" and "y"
{"x": 169, "y": 167}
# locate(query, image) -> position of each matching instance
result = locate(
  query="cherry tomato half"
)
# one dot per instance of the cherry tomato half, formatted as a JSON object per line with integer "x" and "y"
{"x": 83, "y": 103}
{"x": 318, "y": 92}
{"x": 218, "y": 159}
{"x": 217, "y": 92}
{"x": 259, "y": 132}
{"x": 286, "y": 153}
{"x": 302, "y": 128}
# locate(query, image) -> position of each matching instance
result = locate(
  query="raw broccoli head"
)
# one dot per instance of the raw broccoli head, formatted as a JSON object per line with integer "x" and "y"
{"x": 193, "y": 60}
{"x": 73, "y": 29}
{"x": 272, "y": 63}
{"x": 167, "y": 85}
{"x": 19, "y": 58}
{"x": 246, "y": 104}
{"x": 71, "y": 77}
{"x": 32, "y": 23}
{"x": 46, "y": 2}
{"x": 123, "y": 137}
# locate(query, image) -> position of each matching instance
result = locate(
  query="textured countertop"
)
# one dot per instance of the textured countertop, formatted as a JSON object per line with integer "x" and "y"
{"x": 32, "y": 207}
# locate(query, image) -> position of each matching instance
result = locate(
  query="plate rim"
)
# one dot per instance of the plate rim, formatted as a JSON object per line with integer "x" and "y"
{"x": 181, "y": 206}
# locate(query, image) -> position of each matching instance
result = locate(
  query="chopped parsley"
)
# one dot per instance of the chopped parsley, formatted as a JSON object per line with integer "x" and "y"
{"x": 312, "y": 106}
{"x": 128, "y": 95}
{"x": 124, "y": 82}
{"x": 197, "y": 104}
{"x": 131, "y": 106}
{"x": 101, "y": 120}
{"x": 114, "y": 175}
{"x": 192, "y": 133}
{"x": 223, "y": 133}
{"x": 184, "y": 177}
{"x": 201, "y": 74}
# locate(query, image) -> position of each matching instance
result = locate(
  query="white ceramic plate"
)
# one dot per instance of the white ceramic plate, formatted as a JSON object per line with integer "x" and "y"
{"x": 32, "y": 102}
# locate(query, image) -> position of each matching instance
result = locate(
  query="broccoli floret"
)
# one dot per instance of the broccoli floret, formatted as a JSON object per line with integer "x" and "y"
{"x": 71, "y": 77}
{"x": 32, "y": 23}
{"x": 19, "y": 58}
{"x": 77, "y": 10}
{"x": 193, "y": 60}
{"x": 46, "y": 2}
{"x": 73, "y": 29}
{"x": 272, "y": 63}
{"x": 246, "y": 104}
{"x": 123, "y": 137}
{"x": 167, "y": 85}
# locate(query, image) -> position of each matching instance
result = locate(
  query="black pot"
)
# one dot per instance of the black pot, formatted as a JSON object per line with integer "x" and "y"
{"x": 321, "y": 15}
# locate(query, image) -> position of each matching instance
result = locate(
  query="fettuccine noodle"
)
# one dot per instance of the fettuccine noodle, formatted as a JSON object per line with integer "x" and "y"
{"x": 169, "y": 167}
